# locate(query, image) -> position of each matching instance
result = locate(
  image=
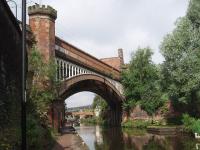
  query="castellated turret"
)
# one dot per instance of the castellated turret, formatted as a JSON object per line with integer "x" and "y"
{"x": 42, "y": 23}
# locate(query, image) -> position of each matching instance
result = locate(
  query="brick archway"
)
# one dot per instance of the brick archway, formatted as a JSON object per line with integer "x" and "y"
{"x": 92, "y": 83}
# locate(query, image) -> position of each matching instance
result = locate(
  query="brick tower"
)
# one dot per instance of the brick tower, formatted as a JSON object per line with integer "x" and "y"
{"x": 42, "y": 23}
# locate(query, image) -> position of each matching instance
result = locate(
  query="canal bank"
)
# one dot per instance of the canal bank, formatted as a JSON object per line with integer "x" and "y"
{"x": 69, "y": 140}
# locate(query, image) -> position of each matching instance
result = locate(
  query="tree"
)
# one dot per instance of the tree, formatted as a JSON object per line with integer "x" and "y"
{"x": 100, "y": 103}
{"x": 141, "y": 82}
{"x": 181, "y": 68}
{"x": 193, "y": 12}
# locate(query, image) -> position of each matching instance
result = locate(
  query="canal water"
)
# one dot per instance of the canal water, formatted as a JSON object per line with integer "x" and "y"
{"x": 101, "y": 138}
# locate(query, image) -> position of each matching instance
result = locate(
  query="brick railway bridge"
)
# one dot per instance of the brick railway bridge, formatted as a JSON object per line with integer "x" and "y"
{"x": 78, "y": 70}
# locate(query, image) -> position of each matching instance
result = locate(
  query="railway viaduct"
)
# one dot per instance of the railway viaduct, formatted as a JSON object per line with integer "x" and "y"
{"x": 77, "y": 70}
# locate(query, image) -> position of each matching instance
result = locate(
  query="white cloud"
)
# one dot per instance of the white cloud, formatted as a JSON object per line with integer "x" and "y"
{"x": 80, "y": 99}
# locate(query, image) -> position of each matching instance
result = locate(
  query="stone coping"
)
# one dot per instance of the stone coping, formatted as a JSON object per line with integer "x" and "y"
{"x": 43, "y": 10}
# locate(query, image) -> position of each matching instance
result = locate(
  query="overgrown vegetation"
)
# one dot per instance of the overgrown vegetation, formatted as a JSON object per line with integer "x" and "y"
{"x": 10, "y": 130}
{"x": 191, "y": 124}
{"x": 100, "y": 105}
{"x": 176, "y": 79}
{"x": 181, "y": 68}
{"x": 42, "y": 91}
{"x": 141, "y": 82}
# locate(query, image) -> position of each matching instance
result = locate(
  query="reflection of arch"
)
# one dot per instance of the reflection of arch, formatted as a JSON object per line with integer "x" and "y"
{"x": 91, "y": 83}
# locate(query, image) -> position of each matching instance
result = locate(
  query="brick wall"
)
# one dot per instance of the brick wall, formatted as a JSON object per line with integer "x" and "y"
{"x": 113, "y": 61}
{"x": 42, "y": 24}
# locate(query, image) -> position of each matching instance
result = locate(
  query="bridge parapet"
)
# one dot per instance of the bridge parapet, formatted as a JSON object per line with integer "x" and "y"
{"x": 67, "y": 70}
{"x": 73, "y": 54}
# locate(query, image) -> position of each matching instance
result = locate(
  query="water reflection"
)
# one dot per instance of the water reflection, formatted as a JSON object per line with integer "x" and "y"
{"x": 198, "y": 146}
{"x": 112, "y": 138}
{"x": 98, "y": 138}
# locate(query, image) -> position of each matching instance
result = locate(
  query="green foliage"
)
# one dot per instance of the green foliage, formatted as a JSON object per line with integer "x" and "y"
{"x": 181, "y": 68}
{"x": 141, "y": 82}
{"x": 193, "y": 12}
{"x": 89, "y": 121}
{"x": 191, "y": 124}
{"x": 42, "y": 91}
{"x": 153, "y": 145}
{"x": 140, "y": 124}
{"x": 177, "y": 120}
{"x": 37, "y": 136}
{"x": 94, "y": 121}
{"x": 101, "y": 104}
{"x": 10, "y": 117}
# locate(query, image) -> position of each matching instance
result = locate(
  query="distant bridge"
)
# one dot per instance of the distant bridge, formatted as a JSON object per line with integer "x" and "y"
{"x": 80, "y": 114}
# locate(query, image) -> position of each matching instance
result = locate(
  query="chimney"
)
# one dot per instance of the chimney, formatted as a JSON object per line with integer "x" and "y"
{"x": 120, "y": 55}
{"x": 42, "y": 23}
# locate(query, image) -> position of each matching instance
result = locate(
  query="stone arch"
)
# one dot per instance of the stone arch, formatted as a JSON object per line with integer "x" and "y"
{"x": 96, "y": 84}
{"x": 90, "y": 82}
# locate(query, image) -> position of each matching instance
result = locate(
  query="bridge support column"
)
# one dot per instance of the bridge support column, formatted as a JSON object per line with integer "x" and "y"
{"x": 57, "y": 114}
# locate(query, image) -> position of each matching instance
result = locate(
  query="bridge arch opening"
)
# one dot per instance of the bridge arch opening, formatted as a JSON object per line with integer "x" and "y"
{"x": 98, "y": 85}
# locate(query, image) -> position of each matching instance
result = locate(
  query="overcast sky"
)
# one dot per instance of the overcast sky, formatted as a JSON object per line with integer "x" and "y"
{"x": 100, "y": 27}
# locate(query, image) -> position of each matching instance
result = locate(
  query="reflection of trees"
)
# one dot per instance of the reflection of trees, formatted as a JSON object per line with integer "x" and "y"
{"x": 135, "y": 139}
{"x": 112, "y": 140}
{"x": 153, "y": 145}
{"x": 186, "y": 143}
{"x": 170, "y": 143}
{"x": 115, "y": 139}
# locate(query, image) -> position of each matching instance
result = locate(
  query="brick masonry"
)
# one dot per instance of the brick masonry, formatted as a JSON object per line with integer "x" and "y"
{"x": 138, "y": 114}
{"x": 115, "y": 62}
{"x": 42, "y": 25}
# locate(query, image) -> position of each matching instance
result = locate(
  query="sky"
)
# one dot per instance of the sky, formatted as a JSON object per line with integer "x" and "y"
{"x": 100, "y": 27}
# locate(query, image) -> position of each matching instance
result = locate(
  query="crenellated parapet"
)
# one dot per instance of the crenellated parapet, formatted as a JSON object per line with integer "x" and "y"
{"x": 42, "y": 23}
{"x": 42, "y": 10}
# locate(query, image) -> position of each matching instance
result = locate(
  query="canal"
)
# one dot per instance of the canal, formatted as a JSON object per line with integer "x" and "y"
{"x": 101, "y": 138}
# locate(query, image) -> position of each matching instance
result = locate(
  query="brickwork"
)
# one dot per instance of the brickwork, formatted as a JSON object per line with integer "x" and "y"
{"x": 138, "y": 114}
{"x": 115, "y": 62}
{"x": 42, "y": 23}
{"x": 82, "y": 58}
{"x": 56, "y": 114}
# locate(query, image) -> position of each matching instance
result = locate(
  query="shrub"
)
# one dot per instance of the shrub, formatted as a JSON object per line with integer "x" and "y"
{"x": 177, "y": 120}
{"x": 88, "y": 121}
{"x": 38, "y": 136}
{"x": 191, "y": 124}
